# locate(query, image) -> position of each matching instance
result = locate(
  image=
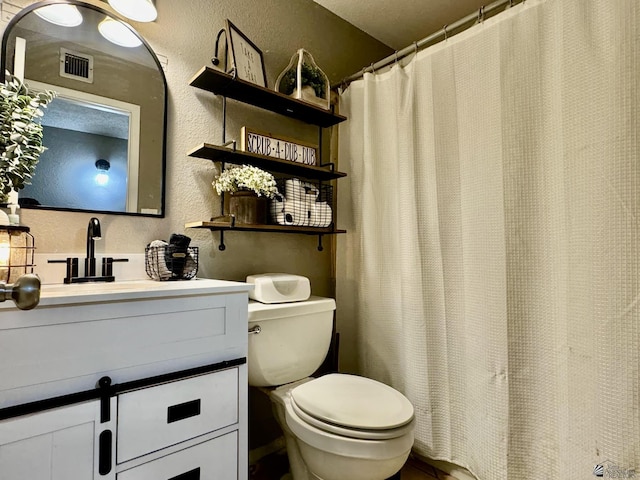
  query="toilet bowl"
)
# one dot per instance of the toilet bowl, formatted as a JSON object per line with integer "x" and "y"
{"x": 338, "y": 426}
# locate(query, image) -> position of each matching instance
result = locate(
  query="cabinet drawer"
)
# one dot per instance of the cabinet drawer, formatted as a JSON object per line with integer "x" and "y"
{"x": 157, "y": 417}
{"x": 216, "y": 459}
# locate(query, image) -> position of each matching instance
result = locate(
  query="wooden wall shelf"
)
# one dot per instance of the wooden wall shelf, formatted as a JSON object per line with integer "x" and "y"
{"x": 220, "y": 83}
{"x": 225, "y": 226}
{"x": 218, "y": 153}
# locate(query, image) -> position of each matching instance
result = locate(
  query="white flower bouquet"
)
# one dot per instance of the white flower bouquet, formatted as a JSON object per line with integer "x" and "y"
{"x": 246, "y": 177}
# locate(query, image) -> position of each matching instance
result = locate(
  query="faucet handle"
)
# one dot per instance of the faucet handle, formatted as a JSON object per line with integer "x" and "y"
{"x": 72, "y": 268}
{"x": 107, "y": 265}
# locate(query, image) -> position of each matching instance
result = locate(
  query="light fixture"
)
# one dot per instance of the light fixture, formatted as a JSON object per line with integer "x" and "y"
{"x": 102, "y": 177}
{"x": 16, "y": 265}
{"x": 137, "y": 10}
{"x": 61, "y": 14}
{"x": 5, "y": 254}
{"x": 118, "y": 33}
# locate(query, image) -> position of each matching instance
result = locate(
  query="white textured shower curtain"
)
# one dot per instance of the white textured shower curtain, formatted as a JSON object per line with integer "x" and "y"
{"x": 490, "y": 269}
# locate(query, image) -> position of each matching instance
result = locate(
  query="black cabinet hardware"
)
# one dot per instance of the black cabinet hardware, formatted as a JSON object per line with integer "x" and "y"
{"x": 190, "y": 475}
{"x": 181, "y": 411}
{"x": 105, "y": 452}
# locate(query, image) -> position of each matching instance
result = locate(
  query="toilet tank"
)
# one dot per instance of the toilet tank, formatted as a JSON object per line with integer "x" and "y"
{"x": 293, "y": 341}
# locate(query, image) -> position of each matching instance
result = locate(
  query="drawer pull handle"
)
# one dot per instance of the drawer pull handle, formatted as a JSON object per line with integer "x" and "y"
{"x": 190, "y": 475}
{"x": 104, "y": 452}
{"x": 178, "y": 412}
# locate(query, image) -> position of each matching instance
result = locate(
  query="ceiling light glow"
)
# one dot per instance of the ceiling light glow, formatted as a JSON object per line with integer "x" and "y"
{"x": 61, "y": 14}
{"x": 118, "y": 33}
{"x": 137, "y": 10}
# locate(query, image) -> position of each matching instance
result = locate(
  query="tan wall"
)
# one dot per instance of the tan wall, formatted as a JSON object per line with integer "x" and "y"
{"x": 185, "y": 34}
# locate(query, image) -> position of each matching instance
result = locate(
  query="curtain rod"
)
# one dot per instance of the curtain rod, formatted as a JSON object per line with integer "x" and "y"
{"x": 442, "y": 34}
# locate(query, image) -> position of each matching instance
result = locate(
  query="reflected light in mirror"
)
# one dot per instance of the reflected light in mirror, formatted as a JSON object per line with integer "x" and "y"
{"x": 138, "y": 10}
{"x": 102, "y": 177}
{"x": 62, "y": 15}
{"x": 118, "y": 33}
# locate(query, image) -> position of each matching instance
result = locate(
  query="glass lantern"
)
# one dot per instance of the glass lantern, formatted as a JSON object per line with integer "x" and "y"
{"x": 17, "y": 251}
{"x": 303, "y": 80}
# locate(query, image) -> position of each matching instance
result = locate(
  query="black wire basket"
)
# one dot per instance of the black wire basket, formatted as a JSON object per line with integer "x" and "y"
{"x": 171, "y": 263}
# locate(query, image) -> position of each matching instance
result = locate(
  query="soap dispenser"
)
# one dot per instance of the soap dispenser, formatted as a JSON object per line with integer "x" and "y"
{"x": 14, "y": 218}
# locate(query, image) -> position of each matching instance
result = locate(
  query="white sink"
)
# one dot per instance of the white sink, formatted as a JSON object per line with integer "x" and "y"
{"x": 56, "y": 294}
{"x": 96, "y": 287}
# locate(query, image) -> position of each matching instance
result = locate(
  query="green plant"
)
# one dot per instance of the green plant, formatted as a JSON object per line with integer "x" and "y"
{"x": 309, "y": 75}
{"x": 246, "y": 177}
{"x": 20, "y": 132}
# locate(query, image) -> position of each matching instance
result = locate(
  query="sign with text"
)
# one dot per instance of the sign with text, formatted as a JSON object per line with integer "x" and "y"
{"x": 246, "y": 57}
{"x": 278, "y": 147}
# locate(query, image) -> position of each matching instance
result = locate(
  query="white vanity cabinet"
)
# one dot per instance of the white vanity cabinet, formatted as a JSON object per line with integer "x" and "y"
{"x": 127, "y": 381}
{"x": 58, "y": 444}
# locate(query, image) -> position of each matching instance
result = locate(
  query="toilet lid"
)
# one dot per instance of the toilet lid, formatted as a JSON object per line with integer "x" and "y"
{"x": 354, "y": 402}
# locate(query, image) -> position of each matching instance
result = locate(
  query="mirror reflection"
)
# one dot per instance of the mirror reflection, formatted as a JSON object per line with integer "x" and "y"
{"x": 105, "y": 131}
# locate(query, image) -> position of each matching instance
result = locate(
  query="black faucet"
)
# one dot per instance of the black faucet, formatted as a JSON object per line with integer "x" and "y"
{"x": 93, "y": 234}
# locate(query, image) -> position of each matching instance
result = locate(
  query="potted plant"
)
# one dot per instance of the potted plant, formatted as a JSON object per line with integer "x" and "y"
{"x": 248, "y": 188}
{"x": 303, "y": 79}
{"x": 20, "y": 133}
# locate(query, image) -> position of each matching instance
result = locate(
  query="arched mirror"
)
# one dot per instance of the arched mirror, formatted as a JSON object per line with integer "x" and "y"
{"x": 105, "y": 130}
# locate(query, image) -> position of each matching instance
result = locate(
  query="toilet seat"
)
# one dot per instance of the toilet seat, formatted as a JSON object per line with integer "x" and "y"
{"x": 347, "y": 446}
{"x": 350, "y": 432}
{"x": 353, "y": 406}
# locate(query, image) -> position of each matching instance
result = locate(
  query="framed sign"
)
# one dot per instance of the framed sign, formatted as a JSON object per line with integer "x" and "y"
{"x": 246, "y": 58}
{"x": 278, "y": 147}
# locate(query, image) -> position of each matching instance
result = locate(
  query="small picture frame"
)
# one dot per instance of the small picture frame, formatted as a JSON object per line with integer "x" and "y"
{"x": 246, "y": 57}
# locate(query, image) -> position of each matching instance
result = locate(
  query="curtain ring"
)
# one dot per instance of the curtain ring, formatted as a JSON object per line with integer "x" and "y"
{"x": 415, "y": 48}
{"x": 481, "y": 14}
{"x": 510, "y": 3}
{"x": 444, "y": 29}
{"x": 396, "y": 54}
{"x": 373, "y": 70}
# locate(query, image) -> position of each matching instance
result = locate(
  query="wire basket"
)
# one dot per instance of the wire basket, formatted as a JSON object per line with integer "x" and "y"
{"x": 171, "y": 263}
{"x": 304, "y": 204}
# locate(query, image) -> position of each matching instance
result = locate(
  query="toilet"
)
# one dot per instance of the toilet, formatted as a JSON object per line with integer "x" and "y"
{"x": 338, "y": 426}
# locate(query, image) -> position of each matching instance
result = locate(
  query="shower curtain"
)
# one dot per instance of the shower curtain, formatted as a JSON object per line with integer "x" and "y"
{"x": 490, "y": 271}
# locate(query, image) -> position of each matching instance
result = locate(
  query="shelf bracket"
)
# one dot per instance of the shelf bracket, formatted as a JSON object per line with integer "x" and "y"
{"x": 230, "y": 142}
{"x": 320, "y": 247}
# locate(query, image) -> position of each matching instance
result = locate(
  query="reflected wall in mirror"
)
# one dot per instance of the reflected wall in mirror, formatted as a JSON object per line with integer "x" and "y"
{"x": 105, "y": 132}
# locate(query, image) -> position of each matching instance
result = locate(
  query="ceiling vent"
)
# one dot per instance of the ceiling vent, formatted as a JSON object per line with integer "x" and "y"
{"x": 78, "y": 66}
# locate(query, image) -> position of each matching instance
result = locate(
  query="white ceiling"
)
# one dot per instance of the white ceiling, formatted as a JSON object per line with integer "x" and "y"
{"x": 399, "y": 23}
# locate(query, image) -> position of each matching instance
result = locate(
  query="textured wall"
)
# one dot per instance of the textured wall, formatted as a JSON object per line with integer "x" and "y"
{"x": 185, "y": 33}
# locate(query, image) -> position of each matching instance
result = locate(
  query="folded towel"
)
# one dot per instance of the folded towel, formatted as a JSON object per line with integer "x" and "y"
{"x": 156, "y": 261}
{"x": 176, "y": 254}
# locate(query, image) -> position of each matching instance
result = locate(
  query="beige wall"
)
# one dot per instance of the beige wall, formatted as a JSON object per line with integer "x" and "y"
{"x": 185, "y": 34}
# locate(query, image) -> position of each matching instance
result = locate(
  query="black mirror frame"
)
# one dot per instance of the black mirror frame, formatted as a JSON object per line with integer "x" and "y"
{"x": 3, "y": 64}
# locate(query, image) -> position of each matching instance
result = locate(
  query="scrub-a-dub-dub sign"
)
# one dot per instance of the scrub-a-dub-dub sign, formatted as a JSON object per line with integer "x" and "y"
{"x": 278, "y": 147}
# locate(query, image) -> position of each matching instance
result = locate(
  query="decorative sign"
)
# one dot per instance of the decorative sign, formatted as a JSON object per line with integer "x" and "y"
{"x": 278, "y": 147}
{"x": 246, "y": 58}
